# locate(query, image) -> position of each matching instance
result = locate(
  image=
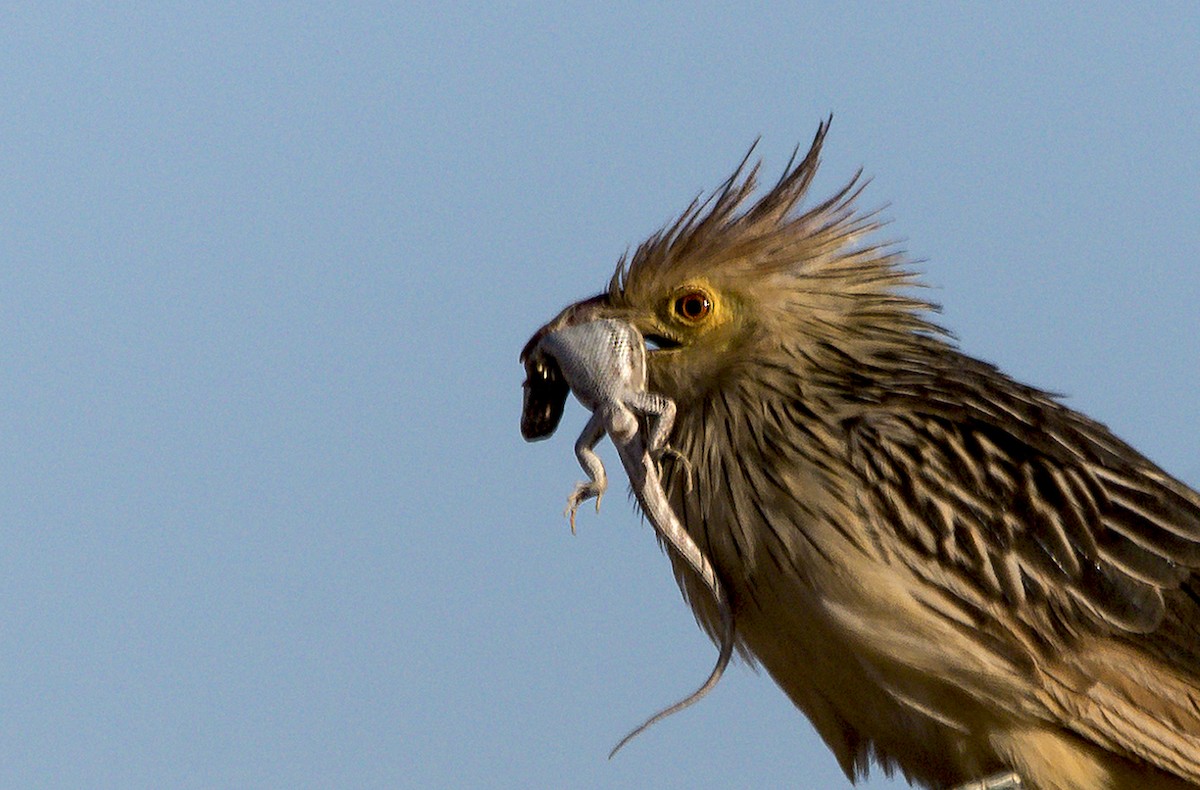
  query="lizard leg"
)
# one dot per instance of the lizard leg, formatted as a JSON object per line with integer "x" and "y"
{"x": 661, "y": 410}
{"x": 597, "y": 482}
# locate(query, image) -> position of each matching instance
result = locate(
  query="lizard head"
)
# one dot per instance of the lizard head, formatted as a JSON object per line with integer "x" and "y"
{"x": 545, "y": 386}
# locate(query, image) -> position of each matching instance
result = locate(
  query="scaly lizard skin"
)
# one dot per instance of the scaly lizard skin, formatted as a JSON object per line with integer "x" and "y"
{"x": 604, "y": 364}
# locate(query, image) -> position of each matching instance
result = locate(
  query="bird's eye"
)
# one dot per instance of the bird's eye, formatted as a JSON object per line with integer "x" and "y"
{"x": 693, "y": 306}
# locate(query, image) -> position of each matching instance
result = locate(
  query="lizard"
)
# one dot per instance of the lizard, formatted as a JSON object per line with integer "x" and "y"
{"x": 603, "y": 362}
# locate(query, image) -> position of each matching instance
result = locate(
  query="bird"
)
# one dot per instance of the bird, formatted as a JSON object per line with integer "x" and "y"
{"x": 951, "y": 574}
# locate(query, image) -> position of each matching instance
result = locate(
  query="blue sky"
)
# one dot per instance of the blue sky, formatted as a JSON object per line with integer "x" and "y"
{"x": 267, "y": 517}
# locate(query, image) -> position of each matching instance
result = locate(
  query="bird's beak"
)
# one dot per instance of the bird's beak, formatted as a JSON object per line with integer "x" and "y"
{"x": 597, "y": 306}
{"x": 545, "y": 387}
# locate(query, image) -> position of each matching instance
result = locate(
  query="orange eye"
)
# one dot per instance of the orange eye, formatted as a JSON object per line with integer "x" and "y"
{"x": 693, "y": 306}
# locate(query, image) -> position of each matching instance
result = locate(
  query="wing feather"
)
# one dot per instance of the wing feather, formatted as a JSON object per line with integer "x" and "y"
{"x": 1009, "y": 500}
{"x": 1042, "y": 506}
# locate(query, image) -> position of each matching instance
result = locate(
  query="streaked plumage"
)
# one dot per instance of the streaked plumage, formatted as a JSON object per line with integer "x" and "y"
{"x": 948, "y": 571}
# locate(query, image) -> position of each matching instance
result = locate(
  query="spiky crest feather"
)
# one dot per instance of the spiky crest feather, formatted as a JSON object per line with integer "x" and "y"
{"x": 832, "y": 284}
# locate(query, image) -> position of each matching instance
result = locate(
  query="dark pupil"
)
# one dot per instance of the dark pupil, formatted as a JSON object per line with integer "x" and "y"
{"x": 693, "y": 306}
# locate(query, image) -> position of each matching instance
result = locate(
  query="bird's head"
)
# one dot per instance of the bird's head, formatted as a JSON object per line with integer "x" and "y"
{"x": 738, "y": 293}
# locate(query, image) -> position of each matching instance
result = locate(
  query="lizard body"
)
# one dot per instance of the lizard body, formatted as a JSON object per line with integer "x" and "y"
{"x": 604, "y": 363}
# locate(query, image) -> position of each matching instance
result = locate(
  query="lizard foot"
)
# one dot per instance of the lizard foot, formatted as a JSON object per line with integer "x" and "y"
{"x": 582, "y": 493}
{"x": 671, "y": 451}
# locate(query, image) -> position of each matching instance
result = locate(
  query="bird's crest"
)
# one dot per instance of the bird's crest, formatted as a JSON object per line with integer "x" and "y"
{"x": 815, "y": 261}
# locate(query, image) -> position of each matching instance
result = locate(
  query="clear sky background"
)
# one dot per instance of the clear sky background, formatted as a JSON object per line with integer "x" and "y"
{"x": 266, "y": 519}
